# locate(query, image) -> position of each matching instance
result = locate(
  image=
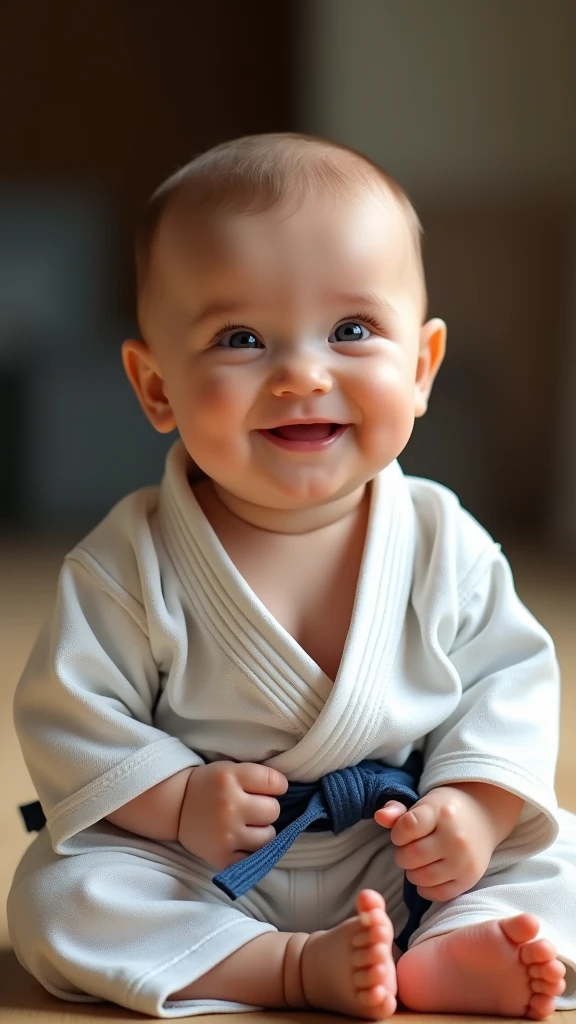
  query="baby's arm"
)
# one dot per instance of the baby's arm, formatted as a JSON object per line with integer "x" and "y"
{"x": 490, "y": 675}
{"x": 155, "y": 813}
{"x": 445, "y": 842}
{"x": 84, "y": 714}
{"x": 220, "y": 812}
{"x": 83, "y": 711}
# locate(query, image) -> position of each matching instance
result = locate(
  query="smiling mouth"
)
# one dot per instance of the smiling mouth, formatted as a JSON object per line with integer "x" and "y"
{"x": 305, "y": 436}
{"x": 305, "y": 431}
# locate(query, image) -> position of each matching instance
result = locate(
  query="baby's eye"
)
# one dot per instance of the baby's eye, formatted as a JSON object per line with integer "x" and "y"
{"x": 239, "y": 339}
{"x": 350, "y": 331}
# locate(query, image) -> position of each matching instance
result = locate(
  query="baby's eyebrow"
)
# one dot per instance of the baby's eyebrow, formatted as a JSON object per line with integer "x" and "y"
{"x": 361, "y": 299}
{"x": 217, "y": 309}
{"x": 354, "y": 302}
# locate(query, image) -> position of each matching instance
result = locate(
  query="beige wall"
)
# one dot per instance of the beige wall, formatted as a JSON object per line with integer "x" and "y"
{"x": 472, "y": 105}
{"x": 449, "y": 94}
{"x": 564, "y": 520}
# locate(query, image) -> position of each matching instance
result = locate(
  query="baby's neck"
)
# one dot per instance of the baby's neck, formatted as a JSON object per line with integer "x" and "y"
{"x": 287, "y": 521}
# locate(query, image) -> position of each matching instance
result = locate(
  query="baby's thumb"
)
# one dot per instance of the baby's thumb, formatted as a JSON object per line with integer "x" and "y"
{"x": 388, "y": 815}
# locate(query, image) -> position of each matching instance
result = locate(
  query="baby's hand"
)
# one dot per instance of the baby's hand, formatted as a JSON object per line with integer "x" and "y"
{"x": 443, "y": 841}
{"x": 228, "y": 810}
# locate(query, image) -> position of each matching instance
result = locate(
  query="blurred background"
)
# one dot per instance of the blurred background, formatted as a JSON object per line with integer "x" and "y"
{"x": 470, "y": 103}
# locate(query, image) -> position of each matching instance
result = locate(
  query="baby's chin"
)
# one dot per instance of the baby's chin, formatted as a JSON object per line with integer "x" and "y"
{"x": 285, "y": 494}
{"x": 289, "y": 509}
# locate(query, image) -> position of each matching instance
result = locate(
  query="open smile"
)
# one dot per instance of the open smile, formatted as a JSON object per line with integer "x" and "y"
{"x": 305, "y": 437}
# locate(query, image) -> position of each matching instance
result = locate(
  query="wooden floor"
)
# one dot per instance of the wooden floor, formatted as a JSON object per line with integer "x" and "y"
{"x": 27, "y": 576}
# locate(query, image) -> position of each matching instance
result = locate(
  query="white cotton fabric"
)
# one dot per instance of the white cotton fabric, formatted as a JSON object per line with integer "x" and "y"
{"x": 159, "y": 656}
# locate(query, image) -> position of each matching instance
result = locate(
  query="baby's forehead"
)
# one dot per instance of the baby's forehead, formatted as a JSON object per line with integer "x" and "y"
{"x": 283, "y": 259}
{"x": 371, "y": 222}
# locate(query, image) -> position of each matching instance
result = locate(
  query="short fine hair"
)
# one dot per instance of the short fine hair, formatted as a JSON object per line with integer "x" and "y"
{"x": 259, "y": 172}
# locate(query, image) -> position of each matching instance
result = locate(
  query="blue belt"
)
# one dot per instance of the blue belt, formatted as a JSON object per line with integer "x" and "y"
{"x": 333, "y": 803}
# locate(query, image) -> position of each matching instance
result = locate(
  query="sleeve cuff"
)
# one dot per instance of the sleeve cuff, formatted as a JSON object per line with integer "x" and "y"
{"x": 125, "y": 781}
{"x": 534, "y": 832}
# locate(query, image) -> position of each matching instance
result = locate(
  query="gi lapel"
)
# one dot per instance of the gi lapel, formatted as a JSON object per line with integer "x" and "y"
{"x": 338, "y": 724}
{"x": 347, "y": 728}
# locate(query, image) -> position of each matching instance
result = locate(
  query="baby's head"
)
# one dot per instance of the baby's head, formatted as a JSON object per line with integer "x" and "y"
{"x": 281, "y": 301}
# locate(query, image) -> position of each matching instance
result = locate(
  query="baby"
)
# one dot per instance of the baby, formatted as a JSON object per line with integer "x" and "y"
{"x": 285, "y": 605}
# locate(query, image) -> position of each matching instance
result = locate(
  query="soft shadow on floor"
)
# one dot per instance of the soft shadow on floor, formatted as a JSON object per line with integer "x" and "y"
{"x": 21, "y": 995}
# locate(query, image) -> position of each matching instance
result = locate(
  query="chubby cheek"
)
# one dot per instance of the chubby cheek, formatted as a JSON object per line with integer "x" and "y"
{"x": 212, "y": 412}
{"x": 385, "y": 399}
{"x": 217, "y": 398}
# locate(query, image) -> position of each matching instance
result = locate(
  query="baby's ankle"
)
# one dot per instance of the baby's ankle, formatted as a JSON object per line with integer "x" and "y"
{"x": 293, "y": 983}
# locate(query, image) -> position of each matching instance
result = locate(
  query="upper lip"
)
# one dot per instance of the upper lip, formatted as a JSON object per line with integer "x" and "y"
{"x": 308, "y": 419}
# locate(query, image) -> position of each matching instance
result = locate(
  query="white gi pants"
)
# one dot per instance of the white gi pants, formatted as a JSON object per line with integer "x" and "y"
{"x": 129, "y": 920}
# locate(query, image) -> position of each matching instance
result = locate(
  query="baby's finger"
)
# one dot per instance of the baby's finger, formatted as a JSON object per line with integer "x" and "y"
{"x": 251, "y": 839}
{"x": 441, "y": 893}
{"x": 419, "y": 853}
{"x": 260, "y": 810}
{"x": 258, "y": 778}
{"x": 431, "y": 875}
{"x": 418, "y": 822}
{"x": 389, "y": 814}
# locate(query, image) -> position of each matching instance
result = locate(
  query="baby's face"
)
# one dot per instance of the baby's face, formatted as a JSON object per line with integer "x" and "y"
{"x": 290, "y": 347}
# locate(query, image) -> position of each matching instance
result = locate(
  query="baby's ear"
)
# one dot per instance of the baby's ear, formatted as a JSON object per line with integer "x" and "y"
{"x": 145, "y": 377}
{"x": 430, "y": 356}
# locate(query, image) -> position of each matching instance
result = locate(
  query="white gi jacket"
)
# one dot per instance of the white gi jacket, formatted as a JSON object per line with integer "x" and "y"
{"x": 159, "y": 656}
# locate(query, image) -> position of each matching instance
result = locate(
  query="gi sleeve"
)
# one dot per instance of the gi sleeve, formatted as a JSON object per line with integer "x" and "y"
{"x": 505, "y": 728}
{"x": 83, "y": 709}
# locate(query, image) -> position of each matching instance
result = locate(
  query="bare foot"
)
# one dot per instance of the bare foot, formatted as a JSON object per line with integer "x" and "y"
{"x": 497, "y": 967}
{"x": 350, "y": 969}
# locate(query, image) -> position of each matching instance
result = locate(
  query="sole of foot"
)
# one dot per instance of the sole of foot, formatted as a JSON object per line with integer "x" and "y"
{"x": 497, "y": 967}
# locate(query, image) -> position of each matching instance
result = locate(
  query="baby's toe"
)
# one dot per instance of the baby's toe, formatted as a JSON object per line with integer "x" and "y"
{"x": 373, "y": 918}
{"x": 541, "y": 1007}
{"x": 548, "y": 988}
{"x": 371, "y": 936}
{"x": 552, "y": 970}
{"x": 537, "y": 952}
{"x": 372, "y": 996}
{"x": 369, "y": 899}
{"x": 371, "y": 976}
{"x": 371, "y": 954}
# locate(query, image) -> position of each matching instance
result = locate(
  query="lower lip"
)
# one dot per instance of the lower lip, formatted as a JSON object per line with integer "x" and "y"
{"x": 319, "y": 445}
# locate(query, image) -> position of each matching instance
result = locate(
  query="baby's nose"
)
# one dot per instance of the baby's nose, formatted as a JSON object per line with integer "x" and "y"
{"x": 301, "y": 377}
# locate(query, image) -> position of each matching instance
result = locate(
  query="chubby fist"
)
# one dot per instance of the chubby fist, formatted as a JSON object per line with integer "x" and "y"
{"x": 228, "y": 810}
{"x": 444, "y": 842}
